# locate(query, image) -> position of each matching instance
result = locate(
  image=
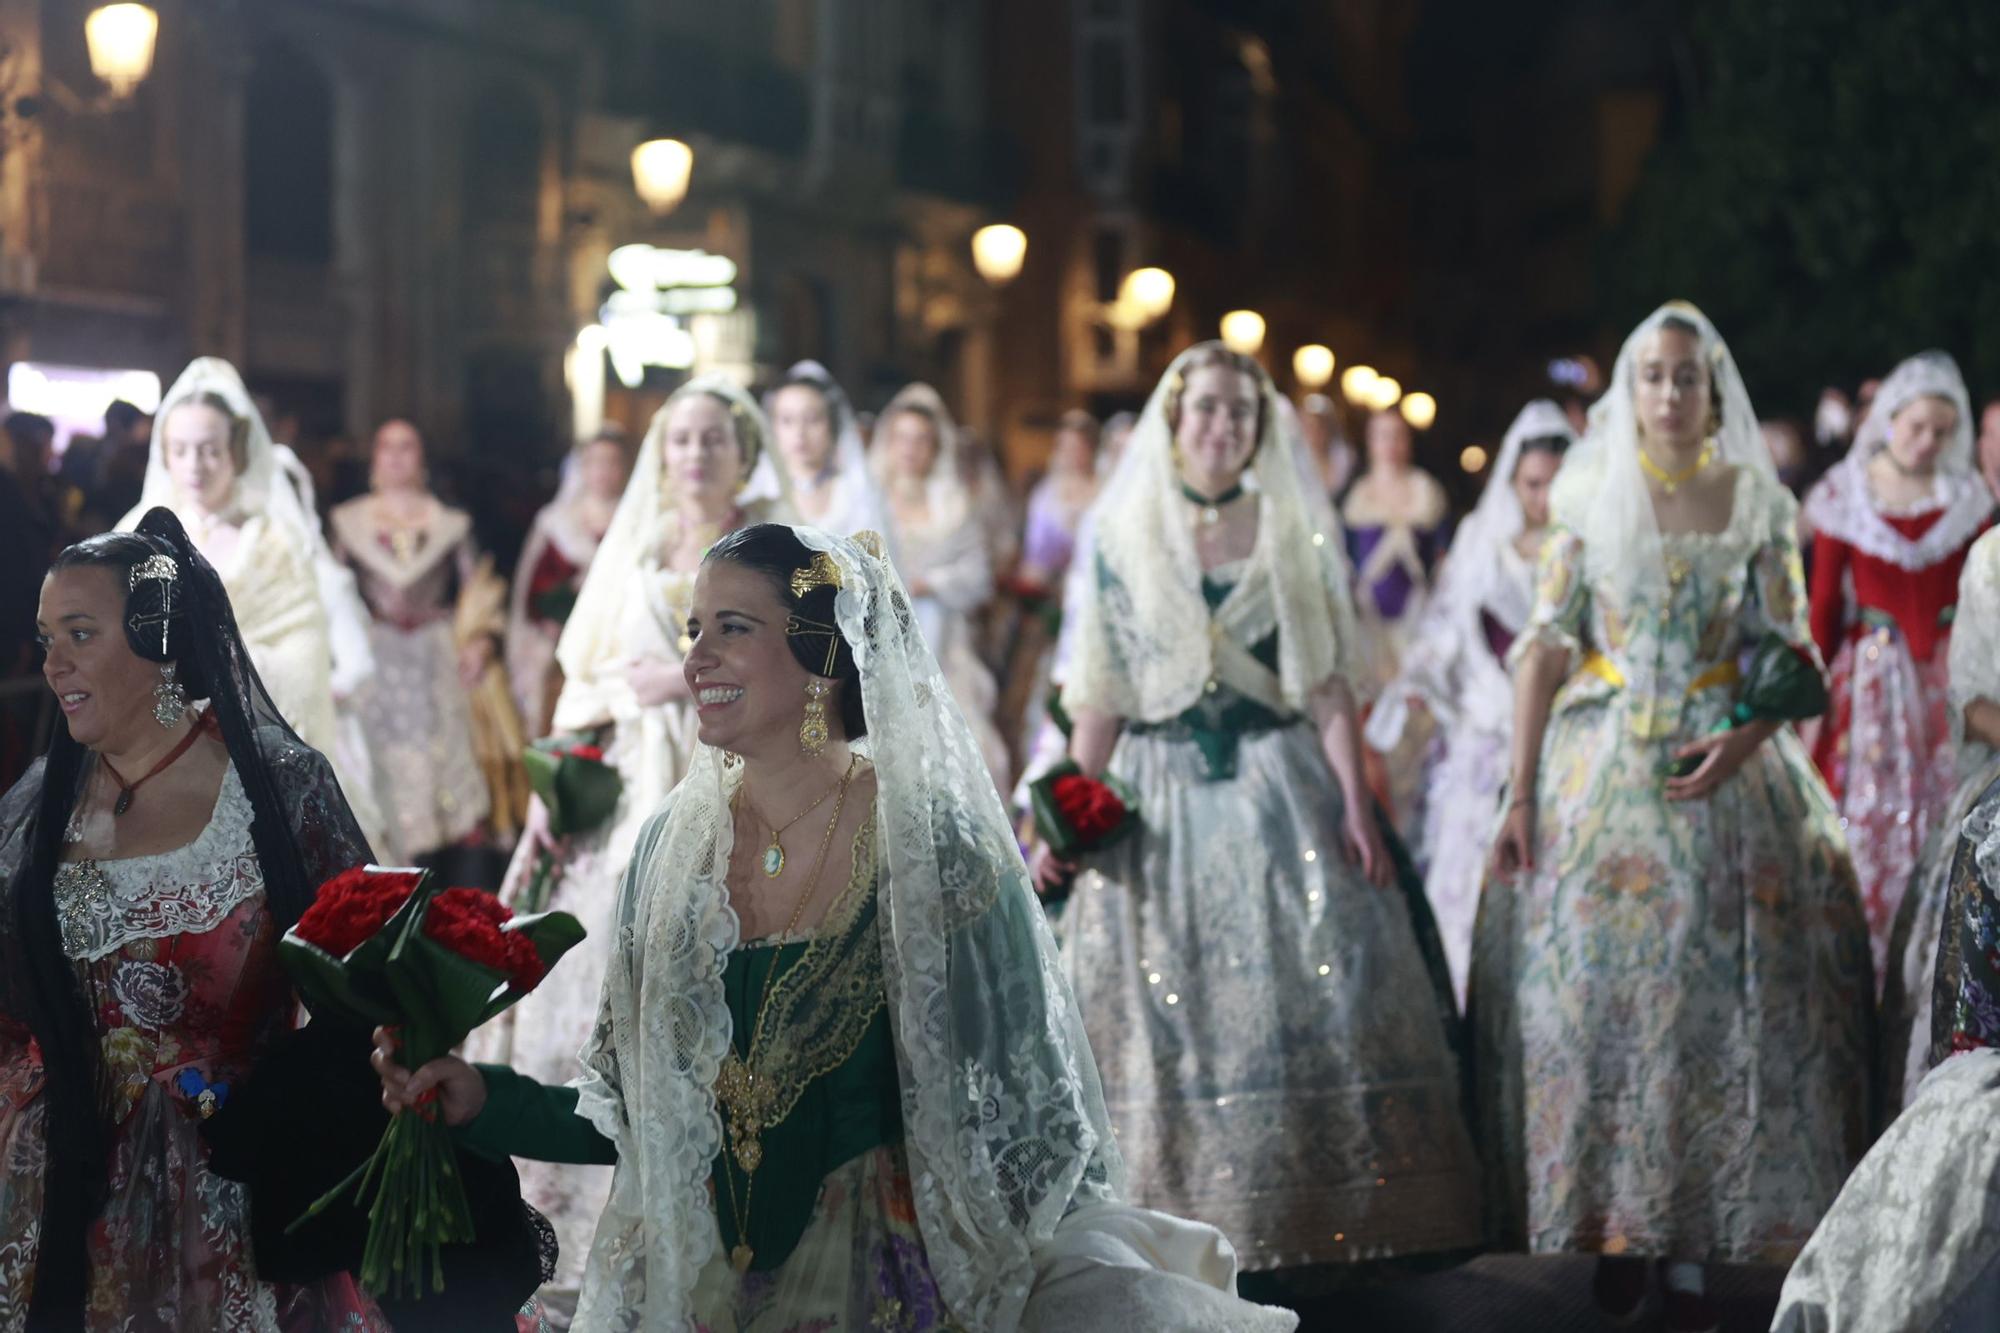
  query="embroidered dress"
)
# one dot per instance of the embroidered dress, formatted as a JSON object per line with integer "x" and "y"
{"x": 416, "y": 715}
{"x": 1271, "y": 1041}
{"x": 1673, "y": 1006}
{"x": 1885, "y": 585}
{"x": 1974, "y": 663}
{"x": 1883, "y": 605}
{"x": 177, "y": 954}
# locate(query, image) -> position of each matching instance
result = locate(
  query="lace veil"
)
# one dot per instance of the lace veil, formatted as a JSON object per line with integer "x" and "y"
{"x": 1144, "y": 649}
{"x": 1843, "y": 506}
{"x": 593, "y": 635}
{"x": 1004, "y": 1121}
{"x": 1601, "y": 493}
{"x": 1468, "y": 576}
{"x": 857, "y": 504}
{"x": 275, "y": 484}
{"x": 949, "y": 503}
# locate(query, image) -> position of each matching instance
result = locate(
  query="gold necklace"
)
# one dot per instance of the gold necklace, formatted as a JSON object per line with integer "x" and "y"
{"x": 1673, "y": 481}
{"x": 745, "y": 1096}
{"x": 772, "y": 861}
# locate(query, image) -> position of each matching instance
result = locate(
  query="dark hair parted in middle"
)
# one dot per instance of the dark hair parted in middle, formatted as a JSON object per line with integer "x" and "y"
{"x": 775, "y": 551}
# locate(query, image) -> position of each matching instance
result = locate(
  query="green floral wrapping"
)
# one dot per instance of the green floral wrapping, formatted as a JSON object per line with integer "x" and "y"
{"x": 579, "y": 790}
{"x": 1783, "y": 684}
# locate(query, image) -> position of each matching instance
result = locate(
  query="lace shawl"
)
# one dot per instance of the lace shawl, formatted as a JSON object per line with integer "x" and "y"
{"x": 1144, "y": 648}
{"x": 1004, "y": 1122}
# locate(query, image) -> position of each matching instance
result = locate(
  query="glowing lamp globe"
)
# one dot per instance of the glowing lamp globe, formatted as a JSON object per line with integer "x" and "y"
{"x": 998, "y": 252}
{"x": 1147, "y": 292}
{"x": 1312, "y": 365}
{"x": 1243, "y": 332}
{"x": 121, "y": 38}
{"x": 1420, "y": 410}
{"x": 660, "y": 172}
{"x": 1357, "y": 385}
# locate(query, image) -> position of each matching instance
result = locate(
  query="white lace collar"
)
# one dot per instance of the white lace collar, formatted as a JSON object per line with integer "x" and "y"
{"x": 103, "y": 906}
{"x": 1843, "y": 506}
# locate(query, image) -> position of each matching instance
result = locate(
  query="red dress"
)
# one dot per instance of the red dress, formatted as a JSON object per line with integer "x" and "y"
{"x": 178, "y": 955}
{"x": 1885, "y": 746}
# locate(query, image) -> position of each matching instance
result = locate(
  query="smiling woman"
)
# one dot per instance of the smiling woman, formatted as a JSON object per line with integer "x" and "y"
{"x": 695, "y": 478}
{"x": 845, "y": 1085}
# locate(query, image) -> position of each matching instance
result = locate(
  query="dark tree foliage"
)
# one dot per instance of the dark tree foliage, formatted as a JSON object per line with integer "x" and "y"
{"x": 1831, "y": 194}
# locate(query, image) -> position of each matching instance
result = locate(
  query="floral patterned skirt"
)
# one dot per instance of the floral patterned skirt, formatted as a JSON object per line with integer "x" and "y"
{"x": 418, "y": 721}
{"x": 860, "y": 1265}
{"x": 172, "y": 1248}
{"x": 1271, "y": 1042}
{"x": 1913, "y": 948}
{"x": 1887, "y": 754}
{"x": 1673, "y": 1011}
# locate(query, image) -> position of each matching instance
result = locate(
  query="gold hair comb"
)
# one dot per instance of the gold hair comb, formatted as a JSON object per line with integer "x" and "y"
{"x": 871, "y": 542}
{"x": 821, "y": 573}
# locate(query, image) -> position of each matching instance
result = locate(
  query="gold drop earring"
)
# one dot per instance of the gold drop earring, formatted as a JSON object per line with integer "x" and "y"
{"x": 812, "y": 731}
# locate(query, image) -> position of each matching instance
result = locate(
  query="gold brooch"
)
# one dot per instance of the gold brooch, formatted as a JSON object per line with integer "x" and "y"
{"x": 821, "y": 573}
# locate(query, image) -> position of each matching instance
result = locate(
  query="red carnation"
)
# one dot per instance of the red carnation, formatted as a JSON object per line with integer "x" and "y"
{"x": 352, "y": 906}
{"x": 1091, "y": 808}
{"x": 468, "y": 921}
{"x": 594, "y": 753}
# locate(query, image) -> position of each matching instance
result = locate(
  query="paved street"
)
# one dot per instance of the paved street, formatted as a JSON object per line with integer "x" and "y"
{"x": 1516, "y": 1294}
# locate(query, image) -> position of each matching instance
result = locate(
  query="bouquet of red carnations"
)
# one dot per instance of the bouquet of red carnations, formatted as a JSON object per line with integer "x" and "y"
{"x": 579, "y": 790}
{"x": 1076, "y": 814}
{"x": 389, "y": 948}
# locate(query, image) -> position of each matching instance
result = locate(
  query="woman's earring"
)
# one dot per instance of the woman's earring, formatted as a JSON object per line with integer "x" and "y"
{"x": 812, "y": 731}
{"x": 170, "y": 701}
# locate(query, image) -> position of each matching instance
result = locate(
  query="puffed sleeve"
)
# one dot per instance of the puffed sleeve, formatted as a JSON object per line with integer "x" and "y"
{"x": 1562, "y": 597}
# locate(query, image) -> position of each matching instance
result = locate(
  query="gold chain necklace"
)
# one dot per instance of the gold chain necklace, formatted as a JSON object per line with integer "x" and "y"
{"x": 1673, "y": 481}
{"x": 772, "y": 861}
{"x": 746, "y": 1096}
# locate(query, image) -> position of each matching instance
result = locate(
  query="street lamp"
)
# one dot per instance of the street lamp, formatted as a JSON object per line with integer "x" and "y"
{"x": 1144, "y": 296}
{"x": 1420, "y": 410}
{"x": 1472, "y": 458}
{"x": 1357, "y": 385}
{"x": 121, "y": 39}
{"x": 998, "y": 251}
{"x": 1243, "y": 332}
{"x": 660, "y": 171}
{"x": 1312, "y": 365}
{"x": 1385, "y": 394}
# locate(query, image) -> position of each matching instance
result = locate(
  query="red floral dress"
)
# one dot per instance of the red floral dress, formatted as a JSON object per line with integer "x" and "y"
{"x": 178, "y": 956}
{"x": 1886, "y": 747}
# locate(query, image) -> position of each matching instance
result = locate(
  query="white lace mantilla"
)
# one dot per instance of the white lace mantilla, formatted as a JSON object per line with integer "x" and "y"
{"x": 103, "y": 906}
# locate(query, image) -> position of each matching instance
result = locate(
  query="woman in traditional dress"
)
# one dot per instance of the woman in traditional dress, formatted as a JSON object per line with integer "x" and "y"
{"x": 819, "y": 445}
{"x": 1912, "y": 1245}
{"x": 1670, "y": 986}
{"x": 1398, "y": 523}
{"x": 412, "y": 554}
{"x": 939, "y": 537}
{"x": 1056, "y": 509}
{"x": 1892, "y": 524}
{"x": 1974, "y": 668}
{"x": 214, "y": 464}
{"x": 1274, "y": 1042}
{"x": 554, "y": 561}
{"x": 624, "y": 688}
{"x": 176, "y": 827}
{"x": 1455, "y": 669}
{"x": 836, "y": 1064}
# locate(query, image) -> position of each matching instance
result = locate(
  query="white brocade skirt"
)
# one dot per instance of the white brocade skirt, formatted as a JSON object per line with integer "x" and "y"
{"x": 1272, "y": 1045}
{"x": 1912, "y": 1245}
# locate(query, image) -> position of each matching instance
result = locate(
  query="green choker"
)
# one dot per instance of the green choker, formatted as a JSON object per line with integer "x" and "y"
{"x": 1211, "y": 509}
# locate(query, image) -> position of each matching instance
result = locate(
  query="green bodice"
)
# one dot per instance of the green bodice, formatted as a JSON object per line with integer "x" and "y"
{"x": 1222, "y": 716}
